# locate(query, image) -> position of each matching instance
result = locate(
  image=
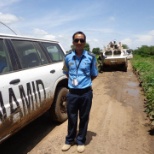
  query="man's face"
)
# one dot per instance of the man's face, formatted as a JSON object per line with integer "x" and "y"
{"x": 79, "y": 41}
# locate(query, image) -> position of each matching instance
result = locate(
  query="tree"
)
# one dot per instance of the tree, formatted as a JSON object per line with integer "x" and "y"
{"x": 125, "y": 46}
{"x": 145, "y": 50}
{"x": 96, "y": 51}
{"x": 87, "y": 47}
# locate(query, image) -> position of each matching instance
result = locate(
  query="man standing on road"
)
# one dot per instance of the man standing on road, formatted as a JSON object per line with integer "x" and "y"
{"x": 80, "y": 67}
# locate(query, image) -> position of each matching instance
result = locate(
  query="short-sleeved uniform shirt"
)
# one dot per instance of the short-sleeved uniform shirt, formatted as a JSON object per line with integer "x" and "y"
{"x": 80, "y": 68}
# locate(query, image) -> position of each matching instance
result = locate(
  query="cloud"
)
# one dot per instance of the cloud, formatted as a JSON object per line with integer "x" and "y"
{"x": 145, "y": 40}
{"x": 151, "y": 32}
{"x": 128, "y": 42}
{"x": 49, "y": 37}
{"x": 38, "y": 31}
{"x": 95, "y": 40}
{"x": 8, "y": 18}
{"x": 140, "y": 39}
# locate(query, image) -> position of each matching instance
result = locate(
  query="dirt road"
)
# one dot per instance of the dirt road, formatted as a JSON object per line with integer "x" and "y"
{"x": 118, "y": 124}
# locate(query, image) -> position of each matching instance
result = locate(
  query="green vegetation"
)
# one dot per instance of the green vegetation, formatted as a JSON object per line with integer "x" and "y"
{"x": 143, "y": 64}
{"x": 96, "y": 51}
{"x": 125, "y": 46}
{"x": 87, "y": 47}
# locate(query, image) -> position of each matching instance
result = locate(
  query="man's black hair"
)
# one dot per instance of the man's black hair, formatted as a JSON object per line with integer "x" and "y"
{"x": 79, "y": 32}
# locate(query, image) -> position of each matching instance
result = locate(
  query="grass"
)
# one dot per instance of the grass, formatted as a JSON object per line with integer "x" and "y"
{"x": 145, "y": 68}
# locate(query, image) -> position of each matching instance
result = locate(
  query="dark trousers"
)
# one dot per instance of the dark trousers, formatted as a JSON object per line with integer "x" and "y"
{"x": 78, "y": 104}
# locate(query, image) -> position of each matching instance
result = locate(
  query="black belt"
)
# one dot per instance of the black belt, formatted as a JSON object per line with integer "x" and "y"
{"x": 80, "y": 91}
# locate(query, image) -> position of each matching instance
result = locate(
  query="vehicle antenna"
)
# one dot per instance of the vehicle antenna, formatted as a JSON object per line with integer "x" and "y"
{"x": 8, "y": 27}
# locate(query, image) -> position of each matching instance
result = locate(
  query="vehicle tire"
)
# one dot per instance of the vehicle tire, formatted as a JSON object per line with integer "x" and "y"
{"x": 58, "y": 108}
{"x": 125, "y": 67}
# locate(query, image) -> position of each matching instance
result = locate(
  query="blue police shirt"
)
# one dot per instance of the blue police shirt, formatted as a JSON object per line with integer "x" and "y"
{"x": 80, "y": 69}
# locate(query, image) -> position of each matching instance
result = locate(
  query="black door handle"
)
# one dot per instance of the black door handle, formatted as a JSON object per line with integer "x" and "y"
{"x": 15, "y": 81}
{"x": 52, "y": 71}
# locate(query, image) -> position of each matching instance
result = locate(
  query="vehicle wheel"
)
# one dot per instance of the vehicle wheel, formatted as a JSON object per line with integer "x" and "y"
{"x": 125, "y": 68}
{"x": 100, "y": 69}
{"x": 58, "y": 108}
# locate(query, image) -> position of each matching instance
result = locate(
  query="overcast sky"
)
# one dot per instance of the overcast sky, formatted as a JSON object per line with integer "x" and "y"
{"x": 128, "y": 21}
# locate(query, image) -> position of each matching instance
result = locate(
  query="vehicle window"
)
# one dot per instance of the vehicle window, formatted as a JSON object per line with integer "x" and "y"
{"x": 55, "y": 52}
{"x": 129, "y": 51}
{"x": 41, "y": 54}
{"x": 108, "y": 52}
{"x": 117, "y": 52}
{"x": 29, "y": 56}
{"x": 5, "y": 65}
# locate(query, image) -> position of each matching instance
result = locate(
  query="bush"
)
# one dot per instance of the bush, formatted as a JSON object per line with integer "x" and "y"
{"x": 145, "y": 68}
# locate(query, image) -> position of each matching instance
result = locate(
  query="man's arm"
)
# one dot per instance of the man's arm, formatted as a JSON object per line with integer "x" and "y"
{"x": 94, "y": 69}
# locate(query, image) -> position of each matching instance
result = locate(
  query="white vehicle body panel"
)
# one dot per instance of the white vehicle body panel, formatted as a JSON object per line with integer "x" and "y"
{"x": 27, "y": 93}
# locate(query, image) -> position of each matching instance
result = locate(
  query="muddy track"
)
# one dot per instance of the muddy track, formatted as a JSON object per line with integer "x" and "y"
{"x": 118, "y": 123}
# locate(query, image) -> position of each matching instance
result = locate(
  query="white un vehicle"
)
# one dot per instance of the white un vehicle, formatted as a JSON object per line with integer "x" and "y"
{"x": 31, "y": 82}
{"x": 115, "y": 57}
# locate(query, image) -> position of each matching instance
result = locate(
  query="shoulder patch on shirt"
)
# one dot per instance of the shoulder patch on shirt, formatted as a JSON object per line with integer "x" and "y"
{"x": 91, "y": 54}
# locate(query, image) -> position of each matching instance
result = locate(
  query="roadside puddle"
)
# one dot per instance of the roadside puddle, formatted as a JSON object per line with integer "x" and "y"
{"x": 132, "y": 89}
{"x": 132, "y": 92}
{"x": 132, "y": 95}
{"x": 132, "y": 84}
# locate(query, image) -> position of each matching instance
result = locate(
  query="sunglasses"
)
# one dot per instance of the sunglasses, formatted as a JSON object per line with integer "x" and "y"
{"x": 81, "y": 40}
